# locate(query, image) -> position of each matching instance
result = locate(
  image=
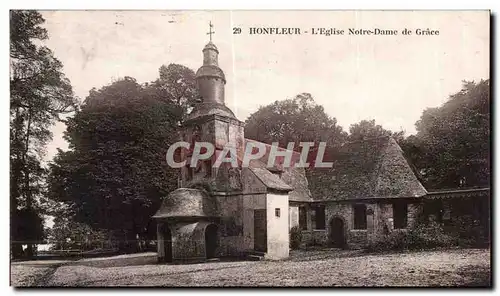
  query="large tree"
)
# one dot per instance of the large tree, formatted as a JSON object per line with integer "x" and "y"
{"x": 368, "y": 129}
{"x": 294, "y": 120}
{"x": 39, "y": 94}
{"x": 452, "y": 144}
{"x": 115, "y": 173}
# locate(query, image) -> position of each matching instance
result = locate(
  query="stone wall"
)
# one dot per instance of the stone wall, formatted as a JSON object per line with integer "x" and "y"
{"x": 317, "y": 237}
{"x": 342, "y": 211}
{"x": 231, "y": 226}
{"x": 357, "y": 238}
{"x": 236, "y": 137}
{"x": 251, "y": 184}
{"x": 188, "y": 241}
{"x": 385, "y": 214}
{"x": 379, "y": 220}
{"x": 385, "y": 218}
{"x": 221, "y": 134}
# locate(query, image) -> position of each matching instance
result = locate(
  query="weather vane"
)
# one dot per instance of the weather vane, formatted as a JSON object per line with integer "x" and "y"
{"x": 210, "y": 31}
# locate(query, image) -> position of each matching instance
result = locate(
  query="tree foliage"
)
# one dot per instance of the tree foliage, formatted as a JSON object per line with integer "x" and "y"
{"x": 39, "y": 94}
{"x": 452, "y": 144}
{"x": 450, "y": 150}
{"x": 368, "y": 129}
{"x": 294, "y": 120}
{"x": 66, "y": 234}
{"x": 115, "y": 173}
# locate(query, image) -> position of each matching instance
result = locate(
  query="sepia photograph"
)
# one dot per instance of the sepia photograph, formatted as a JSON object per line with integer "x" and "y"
{"x": 250, "y": 148}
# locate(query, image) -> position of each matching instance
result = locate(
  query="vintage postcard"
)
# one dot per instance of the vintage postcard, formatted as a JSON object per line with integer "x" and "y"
{"x": 250, "y": 148}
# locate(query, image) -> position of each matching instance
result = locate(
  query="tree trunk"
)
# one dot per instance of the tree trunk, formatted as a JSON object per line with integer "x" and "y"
{"x": 15, "y": 193}
{"x": 27, "y": 189}
{"x": 26, "y": 167}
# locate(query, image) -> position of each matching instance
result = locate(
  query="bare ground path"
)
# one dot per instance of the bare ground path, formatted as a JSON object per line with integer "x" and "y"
{"x": 33, "y": 273}
{"x": 470, "y": 267}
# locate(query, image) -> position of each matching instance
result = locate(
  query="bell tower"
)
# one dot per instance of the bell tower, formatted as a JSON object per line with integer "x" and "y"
{"x": 210, "y": 78}
{"x": 210, "y": 120}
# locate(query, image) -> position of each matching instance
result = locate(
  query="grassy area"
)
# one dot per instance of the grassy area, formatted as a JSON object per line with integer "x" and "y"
{"x": 469, "y": 267}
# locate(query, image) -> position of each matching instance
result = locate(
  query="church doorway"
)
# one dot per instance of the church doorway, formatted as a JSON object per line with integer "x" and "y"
{"x": 167, "y": 243}
{"x": 337, "y": 232}
{"x": 211, "y": 240}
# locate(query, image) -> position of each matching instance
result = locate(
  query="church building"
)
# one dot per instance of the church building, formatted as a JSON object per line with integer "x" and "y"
{"x": 239, "y": 211}
{"x": 226, "y": 211}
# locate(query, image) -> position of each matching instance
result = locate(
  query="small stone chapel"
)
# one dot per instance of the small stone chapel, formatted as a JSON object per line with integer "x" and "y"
{"x": 225, "y": 211}
{"x": 220, "y": 212}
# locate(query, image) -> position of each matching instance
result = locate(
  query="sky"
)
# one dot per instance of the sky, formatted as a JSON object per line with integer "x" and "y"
{"x": 391, "y": 79}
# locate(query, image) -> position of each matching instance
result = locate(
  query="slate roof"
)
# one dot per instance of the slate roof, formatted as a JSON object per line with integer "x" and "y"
{"x": 292, "y": 177}
{"x": 297, "y": 178}
{"x": 374, "y": 168}
{"x": 210, "y": 71}
{"x": 210, "y": 108}
{"x": 211, "y": 45}
{"x": 271, "y": 180}
{"x": 187, "y": 202}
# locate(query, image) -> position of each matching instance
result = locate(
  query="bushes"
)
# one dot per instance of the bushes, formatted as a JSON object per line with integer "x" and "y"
{"x": 417, "y": 238}
{"x": 295, "y": 237}
{"x": 463, "y": 232}
{"x": 469, "y": 232}
{"x": 392, "y": 241}
{"x": 460, "y": 230}
{"x": 70, "y": 235}
{"x": 429, "y": 236}
{"x": 312, "y": 242}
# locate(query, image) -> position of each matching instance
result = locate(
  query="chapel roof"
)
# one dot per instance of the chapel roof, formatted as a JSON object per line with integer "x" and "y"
{"x": 186, "y": 202}
{"x": 210, "y": 108}
{"x": 291, "y": 176}
{"x": 211, "y": 45}
{"x": 374, "y": 168}
{"x": 210, "y": 66}
{"x": 210, "y": 71}
{"x": 270, "y": 180}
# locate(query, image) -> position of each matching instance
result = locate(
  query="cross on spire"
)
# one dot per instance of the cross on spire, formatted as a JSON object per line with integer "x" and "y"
{"x": 210, "y": 32}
